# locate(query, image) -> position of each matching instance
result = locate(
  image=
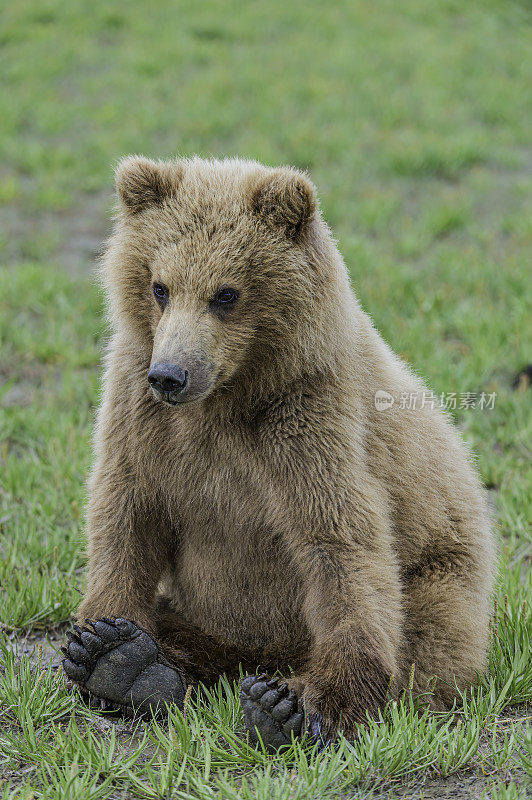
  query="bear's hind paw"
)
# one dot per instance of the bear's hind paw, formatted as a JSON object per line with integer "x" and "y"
{"x": 120, "y": 667}
{"x": 274, "y": 712}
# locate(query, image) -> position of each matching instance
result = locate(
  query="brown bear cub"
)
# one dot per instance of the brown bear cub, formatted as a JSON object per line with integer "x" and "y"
{"x": 252, "y": 503}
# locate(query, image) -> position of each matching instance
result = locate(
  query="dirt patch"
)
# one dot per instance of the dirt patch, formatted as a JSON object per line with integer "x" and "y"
{"x": 38, "y": 647}
{"x": 470, "y": 786}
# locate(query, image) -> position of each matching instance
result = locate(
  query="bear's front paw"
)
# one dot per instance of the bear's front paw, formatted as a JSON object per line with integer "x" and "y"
{"x": 115, "y": 661}
{"x": 276, "y": 713}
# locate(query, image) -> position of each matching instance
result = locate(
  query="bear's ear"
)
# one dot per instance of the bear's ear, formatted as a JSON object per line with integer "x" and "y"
{"x": 141, "y": 182}
{"x": 286, "y": 199}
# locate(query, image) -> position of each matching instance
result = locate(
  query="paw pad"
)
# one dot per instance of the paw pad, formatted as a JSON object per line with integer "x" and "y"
{"x": 120, "y": 667}
{"x": 271, "y": 711}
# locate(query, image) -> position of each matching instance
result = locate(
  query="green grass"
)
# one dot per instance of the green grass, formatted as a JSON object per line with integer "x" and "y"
{"x": 413, "y": 122}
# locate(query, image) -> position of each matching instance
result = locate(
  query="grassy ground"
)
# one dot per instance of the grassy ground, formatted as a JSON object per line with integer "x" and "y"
{"x": 412, "y": 120}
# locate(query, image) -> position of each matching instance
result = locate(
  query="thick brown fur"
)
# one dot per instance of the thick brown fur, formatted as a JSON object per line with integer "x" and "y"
{"x": 278, "y": 519}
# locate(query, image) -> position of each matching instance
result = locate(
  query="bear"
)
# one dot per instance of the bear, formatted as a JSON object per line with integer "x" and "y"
{"x": 254, "y": 503}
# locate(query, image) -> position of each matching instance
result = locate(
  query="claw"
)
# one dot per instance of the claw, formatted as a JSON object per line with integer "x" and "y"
{"x": 315, "y": 725}
{"x": 272, "y": 683}
{"x": 314, "y": 729}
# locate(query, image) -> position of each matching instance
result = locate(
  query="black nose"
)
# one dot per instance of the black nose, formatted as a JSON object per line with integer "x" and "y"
{"x": 167, "y": 378}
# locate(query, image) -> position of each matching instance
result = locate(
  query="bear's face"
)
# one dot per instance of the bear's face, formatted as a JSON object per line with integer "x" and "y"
{"x": 202, "y": 314}
{"x": 209, "y": 260}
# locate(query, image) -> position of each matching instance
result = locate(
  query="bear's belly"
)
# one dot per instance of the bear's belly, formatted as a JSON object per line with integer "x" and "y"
{"x": 241, "y": 588}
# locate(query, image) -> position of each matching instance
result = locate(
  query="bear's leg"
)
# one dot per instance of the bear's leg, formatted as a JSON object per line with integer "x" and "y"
{"x": 447, "y": 609}
{"x": 352, "y": 606}
{"x": 333, "y": 691}
{"x": 130, "y": 545}
{"x": 279, "y": 709}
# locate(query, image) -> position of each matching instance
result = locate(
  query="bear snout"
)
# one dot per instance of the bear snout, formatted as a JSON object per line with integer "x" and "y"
{"x": 176, "y": 384}
{"x": 168, "y": 380}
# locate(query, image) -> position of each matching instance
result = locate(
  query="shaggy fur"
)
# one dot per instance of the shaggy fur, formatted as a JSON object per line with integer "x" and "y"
{"x": 279, "y": 519}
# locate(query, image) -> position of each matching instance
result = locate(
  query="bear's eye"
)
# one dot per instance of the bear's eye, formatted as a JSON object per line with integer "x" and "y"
{"x": 161, "y": 293}
{"x": 225, "y": 297}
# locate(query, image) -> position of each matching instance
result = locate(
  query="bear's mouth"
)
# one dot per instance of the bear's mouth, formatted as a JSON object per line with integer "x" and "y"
{"x": 173, "y": 398}
{"x": 179, "y": 398}
{"x": 170, "y": 398}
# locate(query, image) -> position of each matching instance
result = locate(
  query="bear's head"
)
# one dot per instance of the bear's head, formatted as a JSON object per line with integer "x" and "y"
{"x": 221, "y": 275}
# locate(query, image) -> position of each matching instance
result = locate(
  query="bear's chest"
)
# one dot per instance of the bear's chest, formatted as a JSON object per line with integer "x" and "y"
{"x": 232, "y": 575}
{"x": 237, "y": 585}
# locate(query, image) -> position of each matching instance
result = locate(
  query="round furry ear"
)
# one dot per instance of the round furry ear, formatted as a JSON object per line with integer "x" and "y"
{"x": 141, "y": 182}
{"x": 286, "y": 199}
